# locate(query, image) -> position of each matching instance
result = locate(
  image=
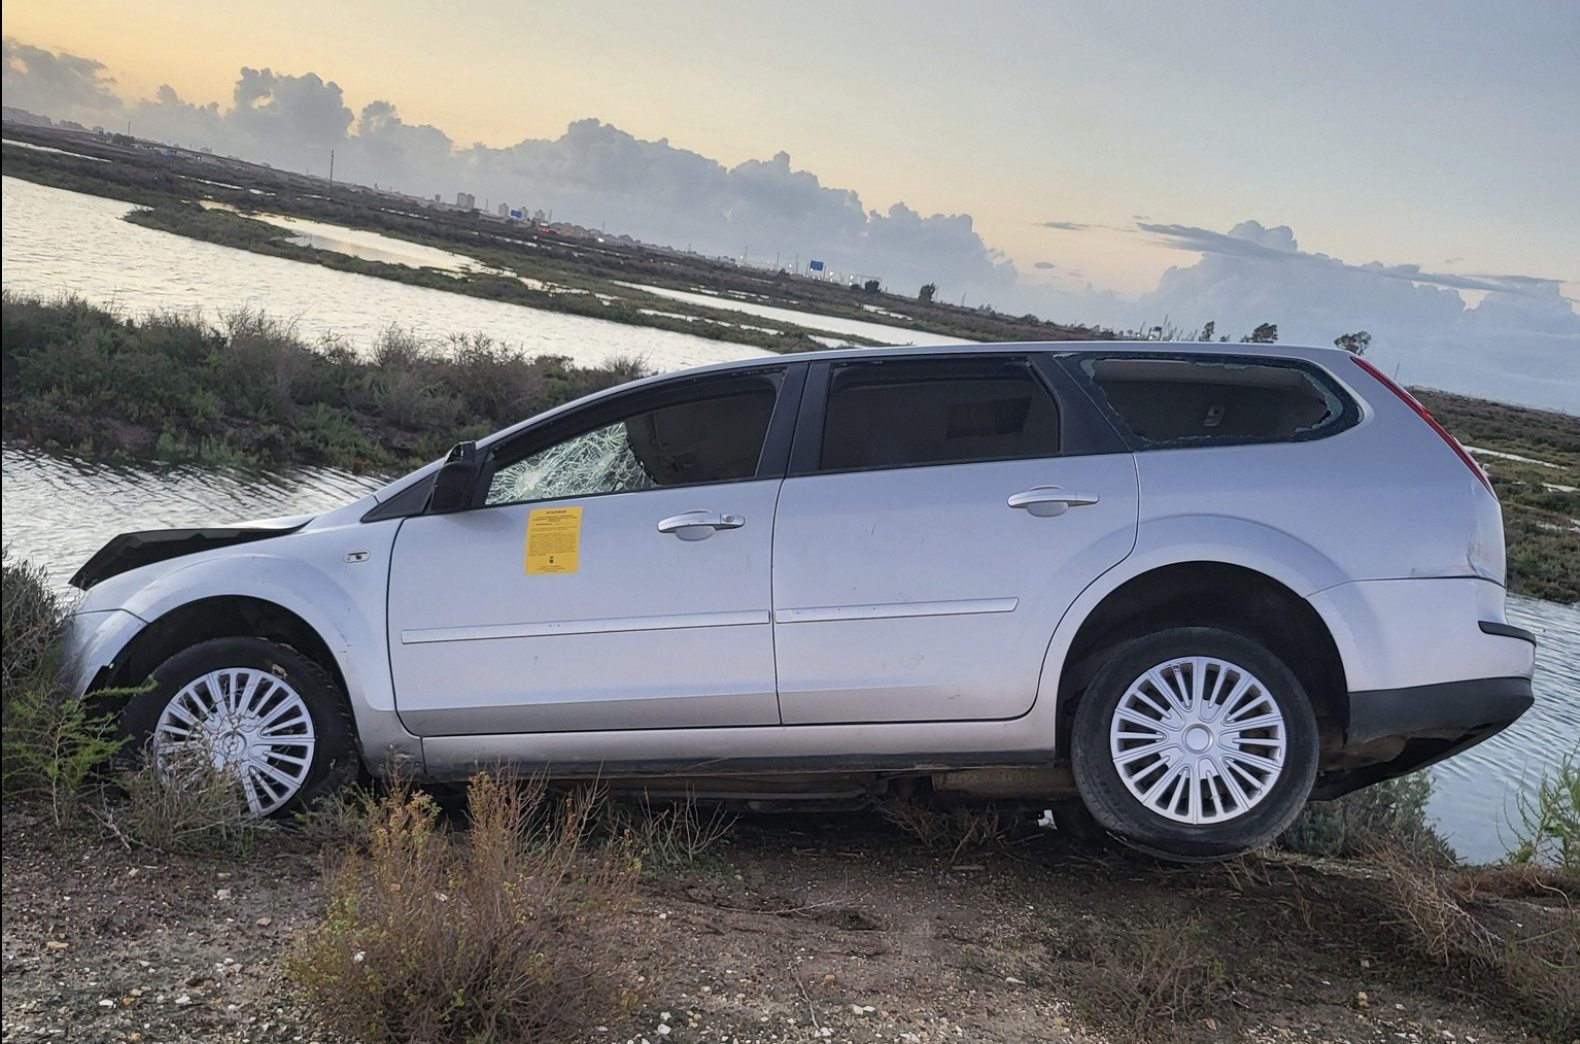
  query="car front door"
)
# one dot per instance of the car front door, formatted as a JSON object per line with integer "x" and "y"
{"x": 939, "y": 519}
{"x": 615, "y": 575}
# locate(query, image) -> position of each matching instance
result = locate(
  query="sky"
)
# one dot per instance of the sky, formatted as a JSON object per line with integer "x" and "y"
{"x": 1405, "y": 168}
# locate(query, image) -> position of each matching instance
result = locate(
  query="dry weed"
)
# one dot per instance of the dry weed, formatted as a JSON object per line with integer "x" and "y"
{"x": 509, "y": 930}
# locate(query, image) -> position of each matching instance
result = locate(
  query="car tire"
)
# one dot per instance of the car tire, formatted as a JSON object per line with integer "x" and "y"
{"x": 262, "y": 711}
{"x": 1155, "y": 763}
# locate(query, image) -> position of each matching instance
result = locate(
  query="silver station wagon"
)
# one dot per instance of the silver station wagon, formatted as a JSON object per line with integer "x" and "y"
{"x": 1191, "y": 586}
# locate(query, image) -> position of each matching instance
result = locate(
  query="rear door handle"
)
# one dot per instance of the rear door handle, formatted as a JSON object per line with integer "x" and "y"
{"x": 700, "y": 525}
{"x": 1050, "y": 501}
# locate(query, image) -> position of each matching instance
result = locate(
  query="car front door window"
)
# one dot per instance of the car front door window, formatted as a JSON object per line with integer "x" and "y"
{"x": 713, "y": 434}
{"x": 600, "y": 461}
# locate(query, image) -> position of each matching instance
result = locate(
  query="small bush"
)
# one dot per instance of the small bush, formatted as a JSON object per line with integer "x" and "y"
{"x": 184, "y": 805}
{"x": 679, "y": 837}
{"x": 502, "y": 933}
{"x": 1548, "y": 831}
{"x": 1143, "y": 980}
{"x": 1350, "y": 826}
{"x": 50, "y": 746}
{"x": 31, "y": 621}
{"x": 955, "y": 828}
{"x": 340, "y": 818}
{"x": 53, "y": 748}
{"x": 1423, "y": 898}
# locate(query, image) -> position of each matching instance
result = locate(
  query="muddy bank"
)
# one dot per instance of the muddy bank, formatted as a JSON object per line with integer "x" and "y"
{"x": 798, "y": 929}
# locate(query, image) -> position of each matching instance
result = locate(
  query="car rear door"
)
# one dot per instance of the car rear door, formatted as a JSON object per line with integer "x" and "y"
{"x": 941, "y": 515}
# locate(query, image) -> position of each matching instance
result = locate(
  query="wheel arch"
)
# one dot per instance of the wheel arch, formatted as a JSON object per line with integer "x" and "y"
{"x": 1218, "y": 594}
{"x": 336, "y": 621}
{"x": 217, "y": 616}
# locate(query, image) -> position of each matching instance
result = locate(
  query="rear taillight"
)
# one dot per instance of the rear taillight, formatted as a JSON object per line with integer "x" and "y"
{"x": 1421, "y": 411}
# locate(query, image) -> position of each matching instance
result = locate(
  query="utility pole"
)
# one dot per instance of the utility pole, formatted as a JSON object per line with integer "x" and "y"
{"x": 331, "y": 166}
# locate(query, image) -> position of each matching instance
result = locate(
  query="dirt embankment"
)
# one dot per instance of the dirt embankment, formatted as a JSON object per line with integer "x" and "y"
{"x": 837, "y": 929}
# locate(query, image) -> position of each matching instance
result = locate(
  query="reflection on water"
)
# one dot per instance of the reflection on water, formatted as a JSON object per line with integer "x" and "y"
{"x": 369, "y": 246}
{"x": 1475, "y": 793}
{"x": 880, "y": 332}
{"x": 59, "y": 510}
{"x": 65, "y": 242}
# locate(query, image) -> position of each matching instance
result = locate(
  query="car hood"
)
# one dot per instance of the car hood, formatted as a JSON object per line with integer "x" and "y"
{"x": 131, "y": 550}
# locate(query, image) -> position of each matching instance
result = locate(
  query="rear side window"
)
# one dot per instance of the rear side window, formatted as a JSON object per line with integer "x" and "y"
{"x": 936, "y": 411}
{"x": 1164, "y": 400}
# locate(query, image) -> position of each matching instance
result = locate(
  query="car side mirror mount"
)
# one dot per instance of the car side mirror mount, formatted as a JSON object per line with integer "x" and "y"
{"x": 456, "y": 483}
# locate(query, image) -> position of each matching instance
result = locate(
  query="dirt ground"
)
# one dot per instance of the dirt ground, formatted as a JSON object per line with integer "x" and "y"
{"x": 836, "y": 928}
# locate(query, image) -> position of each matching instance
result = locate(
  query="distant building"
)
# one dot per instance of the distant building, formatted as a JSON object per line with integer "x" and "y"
{"x": 504, "y": 210}
{"x": 465, "y": 201}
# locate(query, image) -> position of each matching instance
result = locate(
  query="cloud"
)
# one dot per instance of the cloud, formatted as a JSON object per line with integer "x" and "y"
{"x": 61, "y": 85}
{"x": 1045, "y": 265}
{"x": 1520, "y": 343}
{"x": 1064, "y": 226}
{"x": 594, "y": 174}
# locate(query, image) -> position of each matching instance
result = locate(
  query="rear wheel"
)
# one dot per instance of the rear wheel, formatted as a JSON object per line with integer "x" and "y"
{"x": 1194, "y": 744}
{"x": 261, "y": 713}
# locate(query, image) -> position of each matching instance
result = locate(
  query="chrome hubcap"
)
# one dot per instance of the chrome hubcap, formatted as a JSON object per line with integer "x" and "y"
{"x": 243, "y": 722}
{"x": 1198, "y": 740}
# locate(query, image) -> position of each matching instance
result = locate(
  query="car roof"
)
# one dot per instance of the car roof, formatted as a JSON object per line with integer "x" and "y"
{"x": 1207, "y": 348}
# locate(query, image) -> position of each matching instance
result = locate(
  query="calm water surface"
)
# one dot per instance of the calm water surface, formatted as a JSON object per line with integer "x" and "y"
{"x": 58, "y": 511}
{"x": 58, "y": 242}
{"x": 883, "y": 333}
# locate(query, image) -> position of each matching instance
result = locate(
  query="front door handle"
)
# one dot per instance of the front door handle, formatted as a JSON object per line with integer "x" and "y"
{"x": 700, "y": 525}
{"x": 1050, "y": 501}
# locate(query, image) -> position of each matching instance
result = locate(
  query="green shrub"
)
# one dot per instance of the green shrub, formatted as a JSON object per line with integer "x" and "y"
{"x": 509, "y": 931}
{"x": 31, "y": 621}
{"x": 50, "y": 746}
{"x": 1548, "y": 831}
{"x": 53, "y": 748}
{"x": 1348, "y": 827}
{"x": 250, "y": 390}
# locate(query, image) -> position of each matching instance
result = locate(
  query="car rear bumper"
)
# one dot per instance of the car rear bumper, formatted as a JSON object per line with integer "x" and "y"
{"x": 1440, "y": 709}
{"x": 1395, "y": 731}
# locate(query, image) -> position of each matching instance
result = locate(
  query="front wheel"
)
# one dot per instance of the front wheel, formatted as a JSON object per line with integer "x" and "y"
{"x": 1194, "y": 744}
{"x": 261, "y": 713}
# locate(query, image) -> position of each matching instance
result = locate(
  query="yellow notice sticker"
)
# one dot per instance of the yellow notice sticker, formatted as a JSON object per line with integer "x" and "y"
{"x": 554, "y": 536}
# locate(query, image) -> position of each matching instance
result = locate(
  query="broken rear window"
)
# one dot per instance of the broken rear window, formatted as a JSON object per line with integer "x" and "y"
{"x": 1162, "y": 400}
